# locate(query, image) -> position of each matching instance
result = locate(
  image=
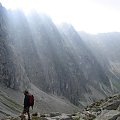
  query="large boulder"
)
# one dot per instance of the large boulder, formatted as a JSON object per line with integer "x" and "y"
{"x": 112, "y": 106}
{"x": 108, "y": 115}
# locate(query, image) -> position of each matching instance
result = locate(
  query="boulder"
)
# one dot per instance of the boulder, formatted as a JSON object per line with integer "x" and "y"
{"x": 53, "y": 114}
{"x": 118, "y": 118}
{"x": 112, "y": 106}
{"x": 108, "y": 115}
{"x": 65, "y": 117}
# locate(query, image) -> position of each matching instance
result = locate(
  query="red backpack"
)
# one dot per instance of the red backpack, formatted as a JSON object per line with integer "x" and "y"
{"x": 31, "y": 100}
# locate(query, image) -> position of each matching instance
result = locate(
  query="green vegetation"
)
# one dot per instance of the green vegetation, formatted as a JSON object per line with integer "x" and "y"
{"x": 36, "y": 118}
{"x": 76, "y": 118}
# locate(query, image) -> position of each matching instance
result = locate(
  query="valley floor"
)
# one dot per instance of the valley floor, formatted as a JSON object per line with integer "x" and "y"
{"x": 104, "y": 109}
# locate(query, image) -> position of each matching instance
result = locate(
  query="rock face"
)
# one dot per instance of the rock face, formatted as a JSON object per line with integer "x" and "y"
{"x": 105, "y": 47}
{"x": 105, "y": 109}
{"x": 11, "y": 73}
{"x": 54, "y": 59}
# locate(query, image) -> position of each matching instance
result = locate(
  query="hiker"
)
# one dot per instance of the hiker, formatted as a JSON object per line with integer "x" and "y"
{"x": 27, "y": 103}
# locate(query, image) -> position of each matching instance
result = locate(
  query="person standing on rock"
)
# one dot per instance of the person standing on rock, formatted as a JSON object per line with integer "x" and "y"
{"x": 26, "y": 104}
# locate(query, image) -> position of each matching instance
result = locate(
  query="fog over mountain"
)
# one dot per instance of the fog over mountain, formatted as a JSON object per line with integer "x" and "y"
{"x": 105, "y": 47}
{"x": 36, "y": 54}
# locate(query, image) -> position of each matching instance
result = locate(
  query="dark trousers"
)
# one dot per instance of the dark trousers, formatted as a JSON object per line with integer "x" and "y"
{"x": 26, "y": 110}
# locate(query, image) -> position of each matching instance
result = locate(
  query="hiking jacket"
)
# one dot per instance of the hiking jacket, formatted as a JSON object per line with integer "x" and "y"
{"x": 26, "y": 101}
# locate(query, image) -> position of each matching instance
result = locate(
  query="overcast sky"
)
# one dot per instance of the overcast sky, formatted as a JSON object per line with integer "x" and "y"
{"x": 92, "y": 16}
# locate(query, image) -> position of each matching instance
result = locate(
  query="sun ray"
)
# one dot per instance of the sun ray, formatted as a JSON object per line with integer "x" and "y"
{"x": 84, "y": 15}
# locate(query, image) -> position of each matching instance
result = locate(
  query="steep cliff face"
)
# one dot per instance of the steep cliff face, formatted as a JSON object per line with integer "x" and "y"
{"x": 11, "y": 72}
{"x": 6, "y": 64}
{"x": 105, "y": 48}
{"x": 91, "y": 73}
{"x": 54, "y": 59}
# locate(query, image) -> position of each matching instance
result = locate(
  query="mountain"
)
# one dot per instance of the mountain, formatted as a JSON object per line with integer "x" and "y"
{"x": 105, "y": 47}
{"x": 36, "y": 54}
{"x": 14, "y": 75}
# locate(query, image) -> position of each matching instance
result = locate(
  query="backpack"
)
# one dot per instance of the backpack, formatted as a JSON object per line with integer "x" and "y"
{"x": 31, "y": 100}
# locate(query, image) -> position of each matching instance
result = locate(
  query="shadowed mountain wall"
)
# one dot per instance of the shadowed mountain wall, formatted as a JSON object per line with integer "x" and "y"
{"x": 55, "y": 59}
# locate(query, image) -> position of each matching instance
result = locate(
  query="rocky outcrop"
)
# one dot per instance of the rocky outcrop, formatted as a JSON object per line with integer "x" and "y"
{"x": 105, "y": 109}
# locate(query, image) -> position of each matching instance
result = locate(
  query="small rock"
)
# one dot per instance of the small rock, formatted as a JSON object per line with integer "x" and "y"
{"x": 35, "y": 114}
{"x": 65, "y": 117}
{"x": 43, "y": 115}
{"x": 118, "y": 118}
{"x": 54, "y": 114}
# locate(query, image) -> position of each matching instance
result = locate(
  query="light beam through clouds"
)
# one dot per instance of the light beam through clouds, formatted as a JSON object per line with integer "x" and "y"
{"x": 92, "y": 16}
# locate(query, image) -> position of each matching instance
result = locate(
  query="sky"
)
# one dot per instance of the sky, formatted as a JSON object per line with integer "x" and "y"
{"x": 91, "y": 16}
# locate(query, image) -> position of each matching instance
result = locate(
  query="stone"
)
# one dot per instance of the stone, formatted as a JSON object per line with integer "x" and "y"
{"x": 112, "y": 106}
{"x": 118, "y": 118}
{"x": 65, "y": 117}
{"x": 53, "y": 114}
